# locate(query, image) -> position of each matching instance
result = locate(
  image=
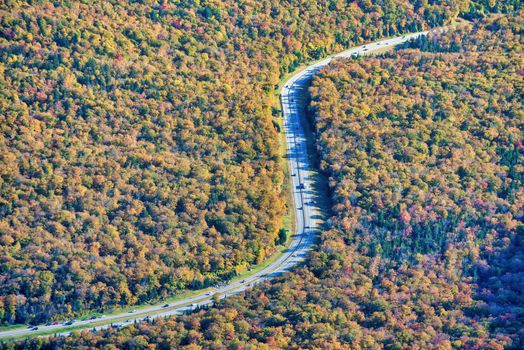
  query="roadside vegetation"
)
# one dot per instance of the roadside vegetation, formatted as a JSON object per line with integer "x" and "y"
{"x": 138, "y": 145}
{"x": 424, "y": 150}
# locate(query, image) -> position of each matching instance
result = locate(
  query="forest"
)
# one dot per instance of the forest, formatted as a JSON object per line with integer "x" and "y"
{"x": 424, "y": 152}
{"x": 138, "y": 149}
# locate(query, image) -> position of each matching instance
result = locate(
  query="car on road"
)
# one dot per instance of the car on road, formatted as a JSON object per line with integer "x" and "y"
{"x": 68, "y": 323}
{"x": 35, "y": 328}
{"x": 165, "y": 305}
{"x": 132, "y": 311}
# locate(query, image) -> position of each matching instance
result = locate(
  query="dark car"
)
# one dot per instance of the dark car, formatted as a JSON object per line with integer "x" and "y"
{"x": 166, "y": 305}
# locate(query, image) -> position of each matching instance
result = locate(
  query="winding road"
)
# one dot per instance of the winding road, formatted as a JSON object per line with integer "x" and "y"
{"x": 307, "y": 211}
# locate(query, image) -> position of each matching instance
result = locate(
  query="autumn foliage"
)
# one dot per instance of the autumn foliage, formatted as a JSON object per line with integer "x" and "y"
{"x": 138, "y": 152}
{"x": 424, "y": 250}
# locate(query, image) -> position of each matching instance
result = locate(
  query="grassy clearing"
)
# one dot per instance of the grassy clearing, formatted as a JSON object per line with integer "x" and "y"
{"x": 12, "y": 327}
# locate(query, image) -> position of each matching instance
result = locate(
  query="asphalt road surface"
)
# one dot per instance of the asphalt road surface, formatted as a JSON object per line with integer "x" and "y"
{"x": 307, "y": 211}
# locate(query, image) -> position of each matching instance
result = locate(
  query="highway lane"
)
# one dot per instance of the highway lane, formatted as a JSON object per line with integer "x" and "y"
{"x": 307, "y": 211}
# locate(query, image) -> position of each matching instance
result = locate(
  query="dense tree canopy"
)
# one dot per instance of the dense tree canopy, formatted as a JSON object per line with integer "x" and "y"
{"x": 424, "y": 149}
{"x": 137, "y": 151}
{"x": 425, "y": 247}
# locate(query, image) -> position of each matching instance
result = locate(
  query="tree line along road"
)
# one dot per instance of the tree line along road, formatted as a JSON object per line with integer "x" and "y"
{"x": 307, "y": 210}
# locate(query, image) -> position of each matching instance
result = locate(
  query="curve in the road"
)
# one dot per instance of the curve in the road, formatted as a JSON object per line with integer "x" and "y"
{"x": 307, "y": 212}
